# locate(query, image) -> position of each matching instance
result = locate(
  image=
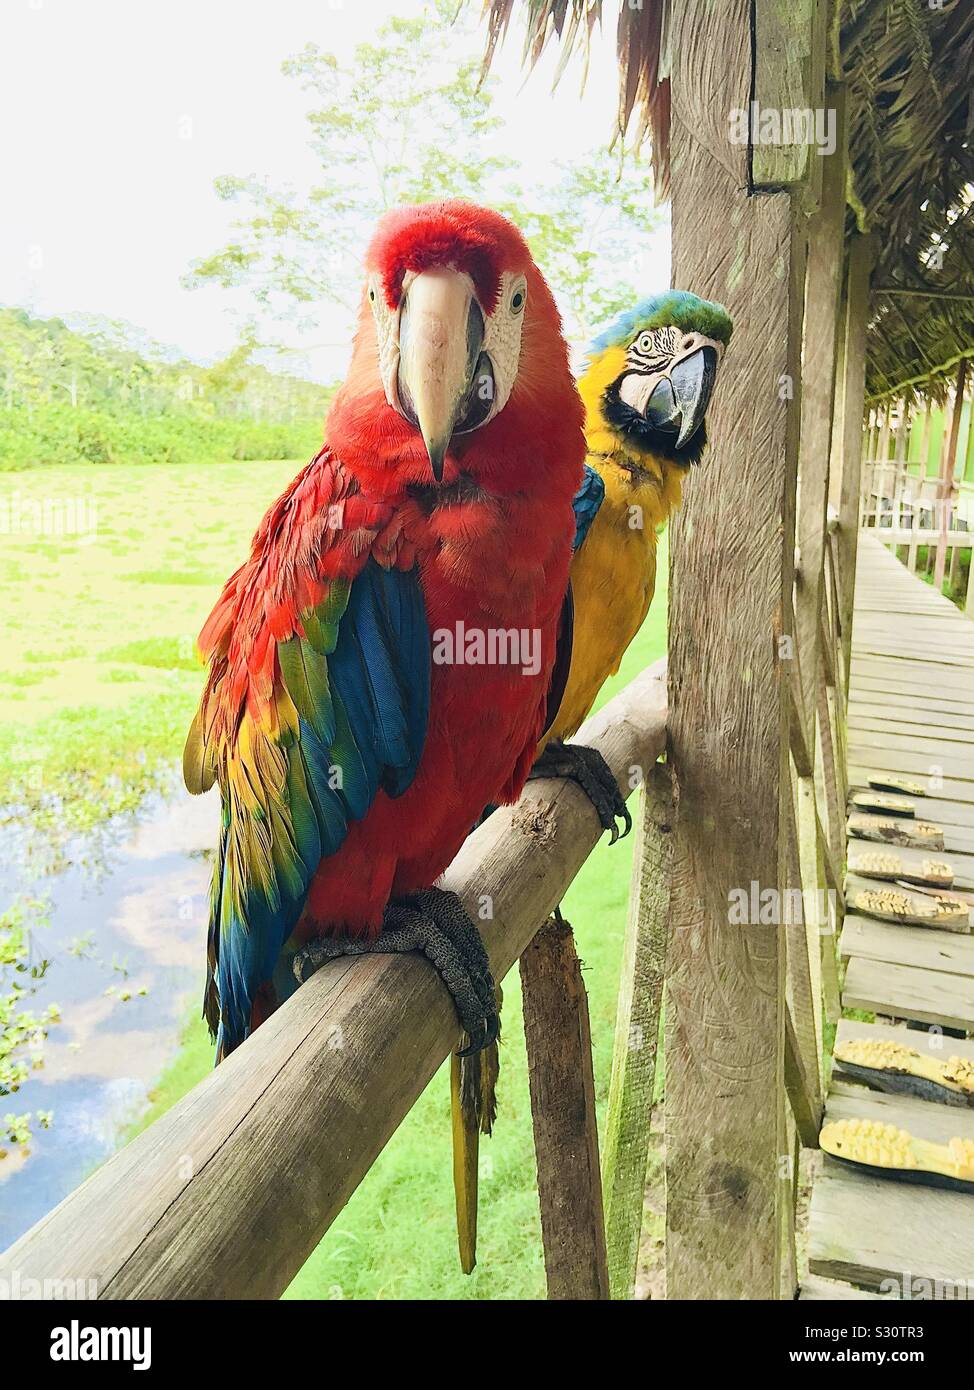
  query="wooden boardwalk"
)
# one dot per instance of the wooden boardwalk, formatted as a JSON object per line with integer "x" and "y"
{"x": 911, "y": 712}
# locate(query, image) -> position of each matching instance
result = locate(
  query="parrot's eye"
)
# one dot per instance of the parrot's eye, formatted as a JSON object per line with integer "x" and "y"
{"x": 372, "y": 295}
{"x": 645, "y": 342}
{"x": 518, "y": 299}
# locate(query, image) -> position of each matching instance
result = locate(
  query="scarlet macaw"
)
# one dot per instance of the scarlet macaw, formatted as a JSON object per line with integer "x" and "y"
{"x": 351, "y": 763}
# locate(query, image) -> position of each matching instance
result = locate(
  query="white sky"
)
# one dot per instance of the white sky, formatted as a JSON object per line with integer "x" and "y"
{"x": 106, "y": 202}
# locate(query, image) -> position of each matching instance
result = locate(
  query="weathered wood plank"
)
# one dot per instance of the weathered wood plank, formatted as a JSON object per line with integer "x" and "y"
{"x": 922, "y": 948}
{"x": 802, "y": 1088}
{"x": 558, "y": 1038}
{"x": 903, "y": 991}
{"x": 936, "y": 746}
{"x": 935, "y": 1045}
{"x": 823, "y": 291}
{"x": 228, "y": 1193}
{"x": 907, "y": 906}
{"x": 900, "y": 673}
{"x": 895, "y": 862}
{"x": 817, "y": 1290}
{"x": 804, "y": 939}
{"x": 631, "y": 1089}
{"x": 915, "y": 724}
{"x": 880, "y": 1233}
{"x": 946, "y": 777}
{"x": 783, "y": 40}
{"x": 894, "y": 830}
{"x": 955, "y": 812}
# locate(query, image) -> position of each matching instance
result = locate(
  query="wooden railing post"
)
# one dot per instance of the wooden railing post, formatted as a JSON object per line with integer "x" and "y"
{"x": 634, "y": 1055}
{"x": 946, "y": 491}
{"x": 731, "y": 584}
{"x": 566, "y": 1138}
{"x": 844, "y": 488}
{"x": 823, "y": 292}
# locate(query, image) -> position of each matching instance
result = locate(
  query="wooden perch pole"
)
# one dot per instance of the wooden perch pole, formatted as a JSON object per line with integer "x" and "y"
{"x": 228, "y": 1193}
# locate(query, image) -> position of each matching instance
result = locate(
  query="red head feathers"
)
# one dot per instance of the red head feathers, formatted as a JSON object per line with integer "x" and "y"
{"x": 477, "y": 241}
{"x": 459, "y": 362}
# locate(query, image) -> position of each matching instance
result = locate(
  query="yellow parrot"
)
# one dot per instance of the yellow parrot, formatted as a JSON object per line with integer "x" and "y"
{"x": 646, "y": 383}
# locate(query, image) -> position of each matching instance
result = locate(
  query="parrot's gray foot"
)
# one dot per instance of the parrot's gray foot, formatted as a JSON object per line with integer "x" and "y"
{"x": 588, "y": 768}
{"x": 435, "y": 922}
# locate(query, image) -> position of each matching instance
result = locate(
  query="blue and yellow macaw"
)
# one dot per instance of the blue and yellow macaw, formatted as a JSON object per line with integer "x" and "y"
{"x": 645, "y": 384}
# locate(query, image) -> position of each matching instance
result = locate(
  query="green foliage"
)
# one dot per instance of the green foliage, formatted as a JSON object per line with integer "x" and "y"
{"x": 401, "y": 123}
{"x": 405, "y": 121}
{"x": 22, "y": 1031}
{"x": 51, "y": 434}
{"x": 107, "y": 395}
{"x": 164, "y": 653}
{"x": 585, "y": 233}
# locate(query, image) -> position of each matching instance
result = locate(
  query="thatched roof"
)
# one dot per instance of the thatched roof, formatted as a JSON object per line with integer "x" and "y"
{"x": 908, "y": 68}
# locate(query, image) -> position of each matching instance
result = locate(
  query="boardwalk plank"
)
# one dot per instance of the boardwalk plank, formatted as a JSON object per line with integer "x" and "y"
{"x": 883, "y": 1234}
{"x": 904, "y": 991}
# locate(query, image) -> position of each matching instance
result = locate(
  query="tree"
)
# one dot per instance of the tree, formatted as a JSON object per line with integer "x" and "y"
{"x": 589, "y": 233}
{"x": 405, "y": 121}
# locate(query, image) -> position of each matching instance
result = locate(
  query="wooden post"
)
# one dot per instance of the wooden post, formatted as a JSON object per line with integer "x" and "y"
{"x": 918, "y": 494}
{"x": 925, "y": 439}
{"x": 844, "y": 488}
{"x": 637, "y": 1032}
{"x": 899, "y": 473}
{"x": 566, "y": 1140}
{"x": 881, "y": 471}
{"x": 732, "y": 570}
{"x": 962, "y": 452}
{"x": 945, "y": 492}
{"x": 823, "y": 290}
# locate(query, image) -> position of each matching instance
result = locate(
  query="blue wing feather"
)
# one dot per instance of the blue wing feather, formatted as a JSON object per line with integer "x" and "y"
{"x": 363, "y": 711}
{"x": 586, "y": 503}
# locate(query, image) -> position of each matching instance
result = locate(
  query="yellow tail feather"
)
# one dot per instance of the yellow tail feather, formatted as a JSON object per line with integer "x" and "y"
{"x": 473, "y": 1107}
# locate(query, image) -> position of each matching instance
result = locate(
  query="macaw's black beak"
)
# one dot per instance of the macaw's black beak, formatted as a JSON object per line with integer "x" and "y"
{"x": 679, "y": 402}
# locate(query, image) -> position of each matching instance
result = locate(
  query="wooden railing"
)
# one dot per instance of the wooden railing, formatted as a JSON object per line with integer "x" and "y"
{"x": 227, "y": 1194}
{"x": 907, "y": 511}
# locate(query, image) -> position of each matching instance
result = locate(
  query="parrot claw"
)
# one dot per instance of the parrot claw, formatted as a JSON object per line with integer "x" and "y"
{"x": 587, "y": 767}
{"x": 436, "y": 923}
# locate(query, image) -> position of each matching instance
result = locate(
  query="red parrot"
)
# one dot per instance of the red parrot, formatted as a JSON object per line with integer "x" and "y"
{"x": 379, "y": 667}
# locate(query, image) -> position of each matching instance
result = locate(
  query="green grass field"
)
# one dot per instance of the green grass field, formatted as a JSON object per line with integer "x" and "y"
{"x": 107, "y": 573}
{"x": 100, "y": 682}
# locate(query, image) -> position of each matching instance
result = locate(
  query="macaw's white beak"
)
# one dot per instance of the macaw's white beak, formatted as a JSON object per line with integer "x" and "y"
{"x": 441, "y": 333}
